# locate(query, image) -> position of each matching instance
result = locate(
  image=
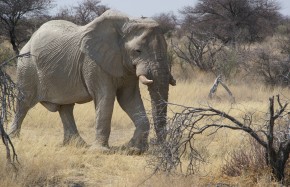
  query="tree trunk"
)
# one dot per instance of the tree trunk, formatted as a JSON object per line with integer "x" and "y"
{"x": 278, "y": 160}
{"x": 13, "y": 41}
{"x": 277, "y": 165}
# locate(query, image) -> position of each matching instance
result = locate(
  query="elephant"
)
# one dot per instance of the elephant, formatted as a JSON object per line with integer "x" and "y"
{"x": 101, "y": 61}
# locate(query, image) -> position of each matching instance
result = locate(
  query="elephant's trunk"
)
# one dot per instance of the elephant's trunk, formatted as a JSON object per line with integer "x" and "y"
{"x": 158, "y": 91}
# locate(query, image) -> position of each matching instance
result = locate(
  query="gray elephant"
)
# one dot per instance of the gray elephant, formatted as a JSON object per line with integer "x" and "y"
{"x": 100, "y": 61}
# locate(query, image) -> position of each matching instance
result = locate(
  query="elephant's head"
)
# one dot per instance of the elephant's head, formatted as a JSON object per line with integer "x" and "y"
{"x": 133, "y": 47}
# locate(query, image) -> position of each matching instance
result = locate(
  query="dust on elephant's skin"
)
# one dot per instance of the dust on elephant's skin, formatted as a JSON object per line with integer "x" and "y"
{"x": 100, "y": 61}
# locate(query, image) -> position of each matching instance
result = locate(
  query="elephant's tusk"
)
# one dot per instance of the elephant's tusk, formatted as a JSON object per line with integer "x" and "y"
{"x": 144, "y": 80}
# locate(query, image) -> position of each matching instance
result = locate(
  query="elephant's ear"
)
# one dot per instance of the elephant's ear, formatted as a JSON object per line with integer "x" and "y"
{"x": 102, "y": 42}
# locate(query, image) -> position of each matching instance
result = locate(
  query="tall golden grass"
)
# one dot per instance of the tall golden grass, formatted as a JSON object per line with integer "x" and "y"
{"x": 45, "y": 162}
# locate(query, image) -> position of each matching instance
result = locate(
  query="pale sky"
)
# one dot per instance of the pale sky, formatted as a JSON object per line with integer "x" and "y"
{"x": 149, "y": 8}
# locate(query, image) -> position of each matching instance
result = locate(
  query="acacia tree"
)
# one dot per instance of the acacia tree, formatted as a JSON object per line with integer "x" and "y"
{"x": 83, "y": 13}
{"x": 233, "y": 20}
{"x": 13, "y": 12}
{"x": 88, "y": 10}
{"x": 167, "y": 22}
{"x": 198, "y": 50}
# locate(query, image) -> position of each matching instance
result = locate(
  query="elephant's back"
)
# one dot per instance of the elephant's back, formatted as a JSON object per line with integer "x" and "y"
{"x": 54, "y": 29}
{"x": 60, "y": 26}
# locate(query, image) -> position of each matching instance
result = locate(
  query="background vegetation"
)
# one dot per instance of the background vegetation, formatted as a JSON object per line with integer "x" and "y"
{"x": 245, "y": 41}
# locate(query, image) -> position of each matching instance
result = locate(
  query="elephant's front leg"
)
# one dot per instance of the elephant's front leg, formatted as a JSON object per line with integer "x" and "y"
{"x": 104, "y": 111}
{"x": 130, "y": 100}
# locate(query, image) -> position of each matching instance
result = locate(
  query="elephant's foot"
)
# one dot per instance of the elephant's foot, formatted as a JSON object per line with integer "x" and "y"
{"x": 135, "y": 147}
{"x": 76, "y": 140}
{"x": 130, "y": 150}
{"x": 99, "y": 147}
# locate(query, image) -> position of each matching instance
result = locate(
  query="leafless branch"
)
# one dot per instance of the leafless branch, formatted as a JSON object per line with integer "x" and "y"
{"x": 8, "y": 96}
{"x": 184, "y": 126}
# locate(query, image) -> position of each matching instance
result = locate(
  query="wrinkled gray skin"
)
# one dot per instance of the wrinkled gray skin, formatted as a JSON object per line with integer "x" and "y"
{"x": 100, "y": 61}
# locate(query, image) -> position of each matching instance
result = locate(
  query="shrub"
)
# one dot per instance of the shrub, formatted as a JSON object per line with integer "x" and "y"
{"x": 241, "y": 160}
{"x": 272, "y": 68}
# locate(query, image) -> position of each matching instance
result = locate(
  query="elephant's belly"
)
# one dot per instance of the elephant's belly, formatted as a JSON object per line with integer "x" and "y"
{"x": 61, "y": 93}
{"x": 67, "y": 98}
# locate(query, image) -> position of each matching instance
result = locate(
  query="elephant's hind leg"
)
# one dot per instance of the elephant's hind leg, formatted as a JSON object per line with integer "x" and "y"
{"x": 70, "y": 129}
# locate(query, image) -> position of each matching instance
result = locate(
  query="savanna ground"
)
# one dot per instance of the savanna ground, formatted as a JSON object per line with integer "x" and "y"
{"x": 45, "y": 162}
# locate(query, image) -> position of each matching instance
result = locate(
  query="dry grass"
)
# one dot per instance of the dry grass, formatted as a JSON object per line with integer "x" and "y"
{"x": 44, "y": 162}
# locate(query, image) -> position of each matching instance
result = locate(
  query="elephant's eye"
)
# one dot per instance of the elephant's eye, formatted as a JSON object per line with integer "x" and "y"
{"x": 136, "y": 53}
